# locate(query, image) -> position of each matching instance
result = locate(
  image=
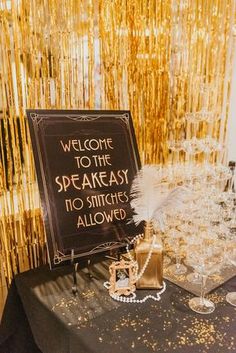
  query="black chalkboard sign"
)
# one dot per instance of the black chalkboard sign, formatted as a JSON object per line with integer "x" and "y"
{"x": 85, "y": 163}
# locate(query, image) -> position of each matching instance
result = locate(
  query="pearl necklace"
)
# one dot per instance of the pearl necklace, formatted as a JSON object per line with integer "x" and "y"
{"x": 132, "y": 299}
{"x": 136, "y": 238}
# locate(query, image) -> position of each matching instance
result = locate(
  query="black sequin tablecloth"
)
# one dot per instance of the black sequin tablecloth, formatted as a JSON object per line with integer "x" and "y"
{"x": 41, "y": 315}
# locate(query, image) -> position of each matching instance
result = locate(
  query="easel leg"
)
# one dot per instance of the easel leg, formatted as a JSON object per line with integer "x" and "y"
{"x": 74, "y": 287}
{"x": 75, "y": 267}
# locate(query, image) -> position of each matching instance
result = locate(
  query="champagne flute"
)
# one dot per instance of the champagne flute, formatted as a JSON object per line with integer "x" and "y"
{"x": 207, "y": 259}
{"x": 192, "y": 241}
{"x": 175, "y": 242}
{"x": 231, "y": 296}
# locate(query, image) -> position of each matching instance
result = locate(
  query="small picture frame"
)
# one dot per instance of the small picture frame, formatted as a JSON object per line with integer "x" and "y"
{"x": 122, "y": 277}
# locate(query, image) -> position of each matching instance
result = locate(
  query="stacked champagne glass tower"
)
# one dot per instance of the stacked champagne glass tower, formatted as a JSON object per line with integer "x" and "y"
{"x": 200, "y": 236}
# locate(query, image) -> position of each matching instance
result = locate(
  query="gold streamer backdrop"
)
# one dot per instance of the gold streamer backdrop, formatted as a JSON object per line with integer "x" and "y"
{"x": 147, "y": 56}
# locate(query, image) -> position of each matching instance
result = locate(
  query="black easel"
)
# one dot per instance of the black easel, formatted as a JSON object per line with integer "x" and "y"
{"x": 90, "y": 275}
{"x": 75, "y": 267}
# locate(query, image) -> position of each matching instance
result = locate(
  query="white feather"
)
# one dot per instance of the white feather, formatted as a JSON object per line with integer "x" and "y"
{"x": 150, "y": 198}
{"x": 142, "y": 193}
{"x": 174, "y": 199}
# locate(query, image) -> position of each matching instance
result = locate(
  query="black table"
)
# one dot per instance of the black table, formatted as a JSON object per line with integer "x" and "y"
{"x": 41, "y": 315}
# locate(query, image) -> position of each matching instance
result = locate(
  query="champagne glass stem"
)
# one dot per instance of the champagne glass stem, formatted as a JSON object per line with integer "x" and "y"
{"x": 207, "y": 158}
{"x": 176, "y": 156}
{"x": 225, "y": 253}
{"x": 203, "y": 286}
{"x": 210, "y": 128}
{"x": 196, "y": 275}
{"x": 195, "y": 126}
{"x": 190, "y": 161}
{"x": 177, "y": 259}
{"x": 177, "y": 254}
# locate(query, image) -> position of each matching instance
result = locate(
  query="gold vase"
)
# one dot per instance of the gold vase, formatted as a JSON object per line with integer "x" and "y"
{"x": 152, "y": 277}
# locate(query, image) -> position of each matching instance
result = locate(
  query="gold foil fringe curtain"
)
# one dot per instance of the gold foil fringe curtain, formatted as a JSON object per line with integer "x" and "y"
{"x": 147, "y": 56}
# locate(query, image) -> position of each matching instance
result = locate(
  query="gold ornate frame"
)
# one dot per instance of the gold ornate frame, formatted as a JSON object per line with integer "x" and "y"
{"x": 130, "y": 267}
